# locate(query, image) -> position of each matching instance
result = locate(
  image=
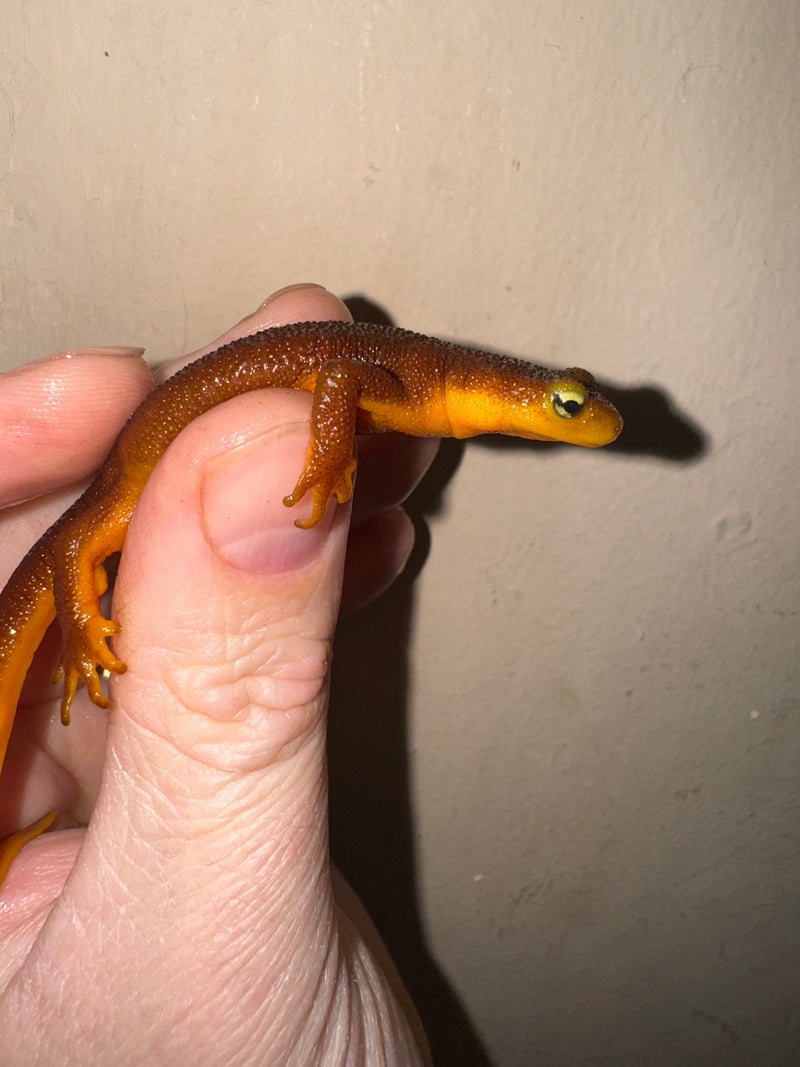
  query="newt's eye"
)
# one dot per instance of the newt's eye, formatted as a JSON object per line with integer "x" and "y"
{"x": 569, "y": 399}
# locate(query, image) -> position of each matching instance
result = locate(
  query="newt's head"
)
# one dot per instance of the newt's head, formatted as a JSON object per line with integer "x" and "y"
{"x": 511, "y": 396}
{"x": 575, "y": 411}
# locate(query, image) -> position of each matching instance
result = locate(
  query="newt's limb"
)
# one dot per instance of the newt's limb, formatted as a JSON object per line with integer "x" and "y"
{"x": 85, "y": 647}
{"x": 97, "y": 522}
{"x": 343, "y": 389}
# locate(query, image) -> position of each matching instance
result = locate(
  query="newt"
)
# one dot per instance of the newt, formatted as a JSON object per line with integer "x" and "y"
{"x": 364, "y": 379}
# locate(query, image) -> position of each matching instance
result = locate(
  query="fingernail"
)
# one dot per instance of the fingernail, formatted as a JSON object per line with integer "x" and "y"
{"x": 245, "y": 518}
{"x": 297, "y": 287}
{"x": 110, "y": 351}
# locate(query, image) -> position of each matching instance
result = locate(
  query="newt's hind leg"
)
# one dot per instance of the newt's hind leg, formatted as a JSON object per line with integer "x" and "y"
{"x": 342, "y": 387}
{"x": 80, "y": 580}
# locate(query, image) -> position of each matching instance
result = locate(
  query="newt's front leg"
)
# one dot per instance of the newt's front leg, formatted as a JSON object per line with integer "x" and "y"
{"x": 343, "y": 389}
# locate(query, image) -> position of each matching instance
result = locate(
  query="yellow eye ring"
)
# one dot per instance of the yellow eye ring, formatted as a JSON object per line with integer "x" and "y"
{"x": 568, "y": 399}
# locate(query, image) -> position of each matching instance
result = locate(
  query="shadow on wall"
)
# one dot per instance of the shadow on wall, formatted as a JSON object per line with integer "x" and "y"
{"x": 653, "y": 426}
{"x": 371, "y": 823}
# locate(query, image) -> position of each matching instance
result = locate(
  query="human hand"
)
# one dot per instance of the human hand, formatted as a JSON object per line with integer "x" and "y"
{"x": 196, "y": 919}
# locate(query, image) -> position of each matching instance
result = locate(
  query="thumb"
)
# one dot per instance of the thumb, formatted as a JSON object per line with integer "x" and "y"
{"x": 211, "y": 824}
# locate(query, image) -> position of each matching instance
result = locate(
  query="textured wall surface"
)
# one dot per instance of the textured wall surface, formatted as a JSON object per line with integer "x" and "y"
{"x": 573, "y": 807}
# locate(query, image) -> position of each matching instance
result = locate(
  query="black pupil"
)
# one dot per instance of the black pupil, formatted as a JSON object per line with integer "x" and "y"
{"x": 572, "y": 406}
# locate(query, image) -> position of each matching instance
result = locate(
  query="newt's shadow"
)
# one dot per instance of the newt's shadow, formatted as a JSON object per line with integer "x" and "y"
{"x": 372, "y": 833}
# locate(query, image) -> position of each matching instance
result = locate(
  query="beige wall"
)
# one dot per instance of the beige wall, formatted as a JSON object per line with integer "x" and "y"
{"x": 596, "y": 672}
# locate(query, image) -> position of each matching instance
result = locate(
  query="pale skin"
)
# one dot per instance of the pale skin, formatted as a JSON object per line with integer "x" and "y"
{"x": 193, "y": 915}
